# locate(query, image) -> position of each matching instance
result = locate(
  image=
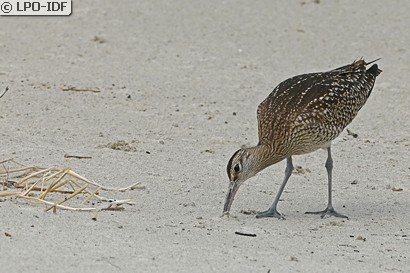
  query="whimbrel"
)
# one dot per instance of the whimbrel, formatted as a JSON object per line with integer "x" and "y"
{"x": 302, "y": 114}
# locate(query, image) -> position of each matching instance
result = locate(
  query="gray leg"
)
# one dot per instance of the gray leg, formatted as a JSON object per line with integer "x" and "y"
{"x": 329, "y": 211}
{"x": 272, "y": 211}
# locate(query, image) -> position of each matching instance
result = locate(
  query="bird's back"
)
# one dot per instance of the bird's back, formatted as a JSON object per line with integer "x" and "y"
{"x": 308, "y": 111}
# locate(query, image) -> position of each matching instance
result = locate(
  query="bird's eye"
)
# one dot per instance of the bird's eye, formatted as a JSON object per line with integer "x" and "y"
{"x": 237, "y": 168}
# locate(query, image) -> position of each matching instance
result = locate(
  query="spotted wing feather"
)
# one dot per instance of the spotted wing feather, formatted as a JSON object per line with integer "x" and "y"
{"x": 309, "y": 110}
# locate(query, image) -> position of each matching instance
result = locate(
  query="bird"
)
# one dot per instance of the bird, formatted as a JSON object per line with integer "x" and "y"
{"x": 301, "y": 115}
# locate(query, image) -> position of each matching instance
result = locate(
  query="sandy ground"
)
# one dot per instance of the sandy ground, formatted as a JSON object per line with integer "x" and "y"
{"x": 182, "y": 80}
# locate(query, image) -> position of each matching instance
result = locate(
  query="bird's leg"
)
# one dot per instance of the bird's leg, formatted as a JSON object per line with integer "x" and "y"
{"x": 329, "y": 211}
{"x": 272, "y": 211}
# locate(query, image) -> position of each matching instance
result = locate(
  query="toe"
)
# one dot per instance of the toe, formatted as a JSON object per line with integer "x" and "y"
{"x": 268, "y": 213}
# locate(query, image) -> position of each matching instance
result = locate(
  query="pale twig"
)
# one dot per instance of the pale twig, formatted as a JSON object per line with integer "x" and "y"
{"x": 17, "y": 170}
{"x": 63, "y": 172}
{"x": 91, "y": 195}
{"x": 58, "y": 206}
{"x": 43, "y": 189}
{"x": 34, "y": 174}
{"x": 79, "y": 185}
{"x": 4, "y": 194}
{"x": 56, "y": 186}
{"x": 68, "y": 198}
{"x": 6, "y": 181}
{"x": 54, "y": 183}
{"x": 77, "y": 156}
{"x": 11, "y": 160}
{"x": 7, "y": 160}
{"x": 110, "y": 207}
{"x": 102, "y": 198}
{"x": 131, "y": 187}
{"x": 116, "y": 205}
{"x": 31, "y": 187}
{"x": 72, "y": 88}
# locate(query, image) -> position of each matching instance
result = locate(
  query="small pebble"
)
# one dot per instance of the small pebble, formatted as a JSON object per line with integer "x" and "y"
{"x": 397, "y": 189}
{"x": 361, "y": 238}
{"x": 354, "y": 182}
{"x": 294, "y": 259}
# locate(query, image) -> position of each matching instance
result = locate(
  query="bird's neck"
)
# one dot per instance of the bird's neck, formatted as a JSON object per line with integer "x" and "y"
{"x": 263, "y": 156}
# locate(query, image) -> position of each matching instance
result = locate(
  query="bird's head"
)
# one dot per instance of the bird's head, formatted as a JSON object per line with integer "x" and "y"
{"x": 241, "y": 167}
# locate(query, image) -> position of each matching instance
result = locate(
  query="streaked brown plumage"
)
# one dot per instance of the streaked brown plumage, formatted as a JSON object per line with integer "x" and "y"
{"x": 301, "y": 115}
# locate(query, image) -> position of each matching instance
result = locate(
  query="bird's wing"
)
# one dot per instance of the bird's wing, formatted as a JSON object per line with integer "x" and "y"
{"x": 298, "y": 95}
{"x": 281, "y": 103}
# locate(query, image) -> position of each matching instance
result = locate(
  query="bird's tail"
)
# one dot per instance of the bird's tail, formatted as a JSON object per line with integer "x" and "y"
{"x": 374, "y": 70}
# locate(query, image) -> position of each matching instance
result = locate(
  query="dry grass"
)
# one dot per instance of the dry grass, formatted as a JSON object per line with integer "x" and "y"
{"x": 58, "y": 188}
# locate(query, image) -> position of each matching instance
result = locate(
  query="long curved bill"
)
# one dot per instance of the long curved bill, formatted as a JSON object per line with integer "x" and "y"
{"x": 233, "y": 188}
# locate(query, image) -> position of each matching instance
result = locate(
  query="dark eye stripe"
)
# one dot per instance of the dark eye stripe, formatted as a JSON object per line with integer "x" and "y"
{"x": 228, "y": 168}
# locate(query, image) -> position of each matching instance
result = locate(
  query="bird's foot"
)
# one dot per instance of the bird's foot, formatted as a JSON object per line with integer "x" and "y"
{"x": 328, "y": 212}
{"x": 270, "y": 213}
